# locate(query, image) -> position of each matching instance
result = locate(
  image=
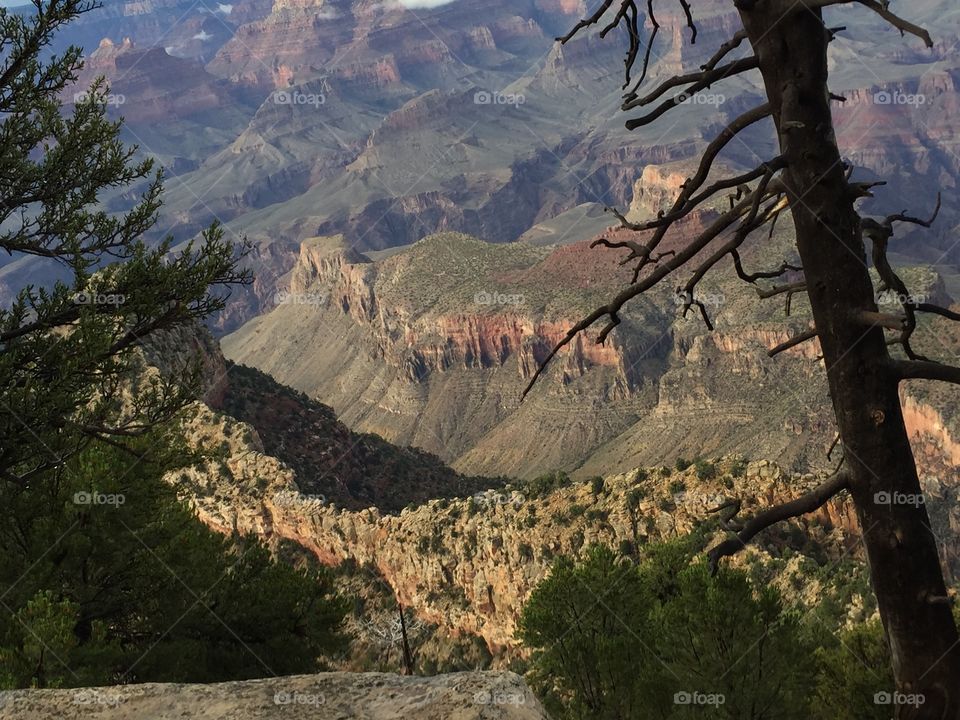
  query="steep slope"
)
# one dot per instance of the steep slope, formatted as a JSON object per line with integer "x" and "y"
{"x": 466, "y": 565}
{"x": 330, "y": 461}
{"x": 247, "y": 413}
{"x": 171, "y": 105}
{"x": 433, "y": 346}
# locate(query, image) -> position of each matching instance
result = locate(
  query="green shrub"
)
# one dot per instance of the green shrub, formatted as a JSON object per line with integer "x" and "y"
{"x": 595, "y": 515}
{"x": 739, "y": 468}
{"x": 705, "y": 469}
{"x": 634, "y": 497}
{"x": 545, "y": 484}
{"x": 664, "y": 626}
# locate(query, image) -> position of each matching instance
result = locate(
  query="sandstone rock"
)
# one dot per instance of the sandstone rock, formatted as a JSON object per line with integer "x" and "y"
{"x": 329, "y": 696}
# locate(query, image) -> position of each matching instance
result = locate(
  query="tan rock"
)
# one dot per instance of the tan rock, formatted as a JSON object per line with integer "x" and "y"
{"x": 328, "y": 696}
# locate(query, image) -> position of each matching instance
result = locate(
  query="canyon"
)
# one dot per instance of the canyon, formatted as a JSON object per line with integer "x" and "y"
{"x": 464, "y": 553}
{"x": 433, "y": 345}
{"x": 387, "y": 124}
{"x": 467, "y": 564}
{"x": 424, "y": 196}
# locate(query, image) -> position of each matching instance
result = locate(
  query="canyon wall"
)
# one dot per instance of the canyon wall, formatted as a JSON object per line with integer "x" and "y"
{"x": 467, "y": 565}
{"x": 433, "y": 346}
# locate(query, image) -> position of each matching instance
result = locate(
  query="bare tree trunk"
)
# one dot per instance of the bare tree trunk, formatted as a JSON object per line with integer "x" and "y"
{"x": 901, "y": 549}
{"x": 407, "y": 655}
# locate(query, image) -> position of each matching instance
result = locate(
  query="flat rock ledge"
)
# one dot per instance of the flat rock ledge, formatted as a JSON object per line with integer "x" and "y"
{"x": 327, "y": 696}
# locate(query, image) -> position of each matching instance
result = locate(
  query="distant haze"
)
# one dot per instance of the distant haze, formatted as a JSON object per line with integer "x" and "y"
{"x": 413, "y": 4}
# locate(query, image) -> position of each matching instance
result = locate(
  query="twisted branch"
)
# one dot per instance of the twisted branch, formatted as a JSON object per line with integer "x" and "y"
{"x": 808, "y": 503}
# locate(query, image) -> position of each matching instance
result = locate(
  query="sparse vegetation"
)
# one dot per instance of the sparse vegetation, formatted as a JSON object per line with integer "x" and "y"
{"x": 596, "y": 515}
{"x": 634, "y": 497}
{"x": 705, "y": 469}
{"x": 543, "y": 485}
{"x": 739, "y": 468}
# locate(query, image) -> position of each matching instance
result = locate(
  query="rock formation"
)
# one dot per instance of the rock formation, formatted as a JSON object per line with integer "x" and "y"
{"x": 329, "y": 696}
{"x": 466, "y": 564}
{"x": 432, "y": 347}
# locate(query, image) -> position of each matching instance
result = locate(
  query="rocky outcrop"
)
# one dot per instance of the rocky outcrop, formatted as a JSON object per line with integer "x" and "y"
{"x": 433, "y": 347}
{"x": 332, "y": 273}
{"x": 933, "y": 441}
{"x": 328, "y": 696}
{"x": 175, "y": 353}
{"x": 468, "y": 565}
{"x": 148, "y": 85}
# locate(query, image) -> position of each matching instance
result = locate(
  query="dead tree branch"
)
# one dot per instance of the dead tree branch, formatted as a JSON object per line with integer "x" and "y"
{"x": 880, "y": 233}
{"x": 697, "y": 80}
{"x": 808, "y": 503}
{"x": 925, "y": 370}
{"x": 883, "y": 10}
{"x": 793, "y": 342}
{"x": 781, "y": 289}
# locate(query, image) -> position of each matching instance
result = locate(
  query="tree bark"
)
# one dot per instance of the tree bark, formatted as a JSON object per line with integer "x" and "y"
{"x": 791, "y": 44}
{"x": 407, "y": 655}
